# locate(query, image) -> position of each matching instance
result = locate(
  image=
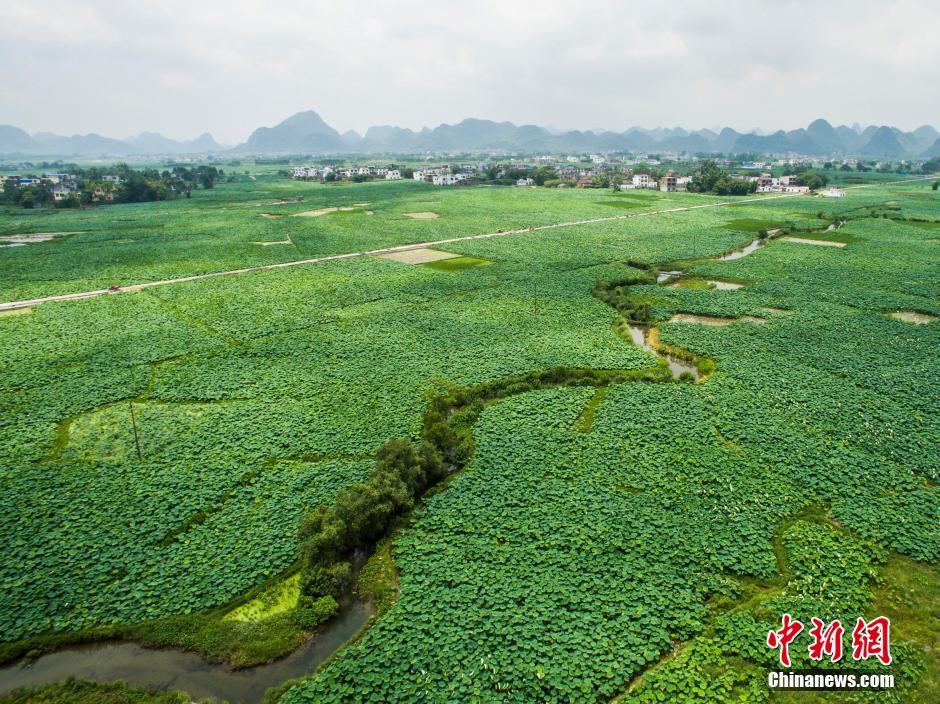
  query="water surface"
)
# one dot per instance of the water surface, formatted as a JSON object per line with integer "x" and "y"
{"x": 174, "y": 669}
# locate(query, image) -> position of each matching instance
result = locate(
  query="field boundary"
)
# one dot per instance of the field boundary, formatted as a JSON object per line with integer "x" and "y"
{"x": 14, "y": 305}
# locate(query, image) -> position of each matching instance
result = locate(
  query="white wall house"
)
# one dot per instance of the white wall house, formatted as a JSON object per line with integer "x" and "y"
{"x": 833, "y": 192}
{"x": 447, "y": 179}
{"x": 393, "y": 175}
{"x": 643, "y": 181}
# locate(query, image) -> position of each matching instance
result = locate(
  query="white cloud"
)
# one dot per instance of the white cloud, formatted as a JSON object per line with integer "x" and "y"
{"x": 184, "y": 67}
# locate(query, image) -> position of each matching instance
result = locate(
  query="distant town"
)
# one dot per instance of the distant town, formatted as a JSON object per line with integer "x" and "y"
{"x": 598, "y": 171}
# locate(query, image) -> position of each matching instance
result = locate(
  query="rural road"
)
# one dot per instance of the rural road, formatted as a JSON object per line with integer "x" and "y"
{"x": 14, "y": 305}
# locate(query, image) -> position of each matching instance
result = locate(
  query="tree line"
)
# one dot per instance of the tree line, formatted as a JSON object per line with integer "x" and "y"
{"x": 116, "y": 184}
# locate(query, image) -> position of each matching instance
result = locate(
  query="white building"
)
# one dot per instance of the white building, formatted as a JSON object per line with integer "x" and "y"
{"x": 833, "y": 192}
{"x": 643, "y": 181}
{"x": 307, "y": 172}
{"x": 393, "y": 175}
{"x": 525, "y": 182}
{"x": 447, "y": 179}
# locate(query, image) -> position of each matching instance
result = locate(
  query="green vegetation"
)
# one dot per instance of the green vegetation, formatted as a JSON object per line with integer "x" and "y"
{"x": 457, "y": 263}
{"x": 378, "y": 579}
{"x": 753, "y": 225}
{"x": 556, "y": 519}
{"x": 85, "y": 692}
{"x": 281, "y": 597}
{"x": 909, "y": 594}
{"x": 710, "y": 178}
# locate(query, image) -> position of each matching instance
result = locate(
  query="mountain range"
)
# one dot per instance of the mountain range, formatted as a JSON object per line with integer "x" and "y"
{"x": 17, "y": 142}
{"x": 307, "y": 133}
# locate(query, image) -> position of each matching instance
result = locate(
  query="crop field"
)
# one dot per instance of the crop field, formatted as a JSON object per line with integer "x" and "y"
{"x": 633, "y": 539}
{"x": 221, "y": 229}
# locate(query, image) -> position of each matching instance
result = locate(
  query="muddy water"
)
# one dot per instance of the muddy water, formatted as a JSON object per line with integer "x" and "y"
{"x": 724, "y": 285}
{"x": 744, "y": 251}
{"x": 677, "y": 366}
{"x": 666, "y": 275}
{"x": 175, "y": 669}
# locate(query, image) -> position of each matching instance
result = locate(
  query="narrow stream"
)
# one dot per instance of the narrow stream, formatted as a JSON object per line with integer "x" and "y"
{"x": 744, "y": 251}
{"x": 677, "y": 366}
{"x": 759, "y": 242}
{"x": 179, "y": 670}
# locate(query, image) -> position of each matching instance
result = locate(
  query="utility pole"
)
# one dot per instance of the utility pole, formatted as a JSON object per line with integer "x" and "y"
{"x": 136, "y": 437}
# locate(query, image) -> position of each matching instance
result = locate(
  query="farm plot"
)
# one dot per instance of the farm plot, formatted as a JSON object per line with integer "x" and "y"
{"x": 603, "y": 548}
{"x": 568, "y": 562}
{"x": 216, "y": 230}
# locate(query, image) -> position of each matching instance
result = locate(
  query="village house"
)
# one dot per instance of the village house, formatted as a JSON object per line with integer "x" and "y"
{"x": 447, "y": 179}
{"x": 429, "y": 174}
{"x": 61, "y": 192}
{"x": 525, "y": 182}
{"x": 833, "y": 192}
{"x": 643, "y": 181}
{"x": 668, "y": 182}
{"x": 102, "y": 193}
{"x": 393, "y": 175}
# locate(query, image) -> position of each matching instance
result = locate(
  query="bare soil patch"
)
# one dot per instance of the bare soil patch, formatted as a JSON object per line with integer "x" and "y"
{"x": 713, "y": 320}
{"x": 418, "y": 256}
{"x": 21, "y": 240}
{"x": 325, "y": 211}
{"x": 911, "y": 316}
{"x": 422, "y": 216}
{"x": 806, "y": 240}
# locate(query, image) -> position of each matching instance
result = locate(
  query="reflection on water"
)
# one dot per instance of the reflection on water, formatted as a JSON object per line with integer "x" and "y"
{"x": 666, "y": 275}
{"x": 175, "y": 669}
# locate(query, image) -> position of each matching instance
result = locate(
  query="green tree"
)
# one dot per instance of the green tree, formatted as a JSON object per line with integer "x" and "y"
{"x": 544, "y": 173}
{"x": 705, "y": 179}
{"x": 812, "y": 179}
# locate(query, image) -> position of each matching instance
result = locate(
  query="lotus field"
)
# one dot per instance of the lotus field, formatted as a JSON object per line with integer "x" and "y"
{"x": 626, "y": 537}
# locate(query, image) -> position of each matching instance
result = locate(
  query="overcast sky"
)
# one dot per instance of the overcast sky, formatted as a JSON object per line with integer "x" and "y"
{"x": 185, "y": 67}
